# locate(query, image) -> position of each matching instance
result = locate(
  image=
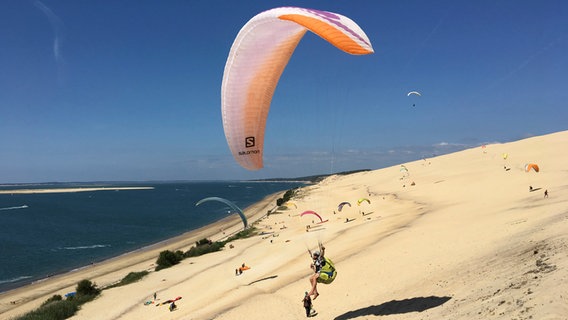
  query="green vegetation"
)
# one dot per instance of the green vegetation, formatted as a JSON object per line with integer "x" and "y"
{"x": 314, "y": 178}
{"x": 247, "y": 233}
{"x": 286, "y": 197}
{"x": 168, "y": 258}
{"x": 129, "y": 278}
{"x": 202, "y": 247}
{"x": 55, "y": 308}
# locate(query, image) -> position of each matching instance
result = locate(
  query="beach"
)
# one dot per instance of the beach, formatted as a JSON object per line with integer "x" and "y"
{"x": 67, "y": 190}
{"x": 468, "y": 235}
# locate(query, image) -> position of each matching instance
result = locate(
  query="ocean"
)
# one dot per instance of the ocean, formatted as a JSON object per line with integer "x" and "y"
{"x": 43, "y": 234}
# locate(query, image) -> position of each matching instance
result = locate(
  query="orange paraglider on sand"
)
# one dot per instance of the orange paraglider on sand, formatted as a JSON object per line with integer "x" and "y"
{"x": 532, "y": 166}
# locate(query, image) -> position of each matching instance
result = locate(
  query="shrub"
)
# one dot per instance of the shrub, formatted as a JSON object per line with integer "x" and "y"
{"x": 168, "y": 258}
{"x": 246, "y": 233}
{"x": 54, "y": 298}
{"x": 286, "y": 197}
{"x": 203, "y": 248}
{"x": 129, "y": 278}
{"x": 203, "y": 241}
{"x": 55, "y": 308}
{"x": 87, "y": 288}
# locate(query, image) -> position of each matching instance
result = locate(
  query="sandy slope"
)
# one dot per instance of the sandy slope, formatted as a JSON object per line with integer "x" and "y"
{"x": 467, "y": 241}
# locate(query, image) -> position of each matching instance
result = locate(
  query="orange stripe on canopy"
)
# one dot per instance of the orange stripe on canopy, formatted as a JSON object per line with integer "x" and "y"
{"x": 328, "y": 32}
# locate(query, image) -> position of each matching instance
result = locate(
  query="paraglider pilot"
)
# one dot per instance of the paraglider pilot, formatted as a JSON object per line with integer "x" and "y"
{"x": 317, "y": 264}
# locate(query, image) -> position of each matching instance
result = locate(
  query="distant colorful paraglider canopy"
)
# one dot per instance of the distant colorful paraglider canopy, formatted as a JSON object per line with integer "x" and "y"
{"x": 340, "y": 207}
{"x": 290, "y": 203}
{"x": 363, "y": 200}
{"x": 312, "y": 213}
{"x": 532, "y": 166}
{"x": 256, "y": 61}
{"x": 228, "y": 203}
{"x": 505, "y": 156}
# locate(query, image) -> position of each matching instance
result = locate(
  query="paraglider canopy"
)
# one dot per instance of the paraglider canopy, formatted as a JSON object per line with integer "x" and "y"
{"x": 258, "y": 57}
{"x": 313, "y": 213}
{"x": 413, "y": 93}
{"x": 363, "y": 200}
{"x": 532, "y": 166}
{"x": 340, "y": 207}
{"x": 290, "y": 203}
{"x": 230, "y": 204}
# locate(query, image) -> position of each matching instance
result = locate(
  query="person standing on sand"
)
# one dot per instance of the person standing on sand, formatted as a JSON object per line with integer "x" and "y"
{"x": 307, "y": 304}
{"x": 546, "y": 193}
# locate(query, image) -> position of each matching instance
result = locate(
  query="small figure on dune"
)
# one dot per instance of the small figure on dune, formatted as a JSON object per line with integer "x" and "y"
{"x": 546, "y": 193}
{"x": 307, "y": 304}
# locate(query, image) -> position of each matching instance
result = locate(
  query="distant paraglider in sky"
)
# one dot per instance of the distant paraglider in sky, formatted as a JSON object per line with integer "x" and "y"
{"x": 414, "y": 93}
{"x": 256, "y": 61}
{"x": 228, "y": 203}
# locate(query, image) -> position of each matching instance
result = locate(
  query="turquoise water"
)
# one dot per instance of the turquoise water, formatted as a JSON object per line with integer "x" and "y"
{"x": 46, "y": 234}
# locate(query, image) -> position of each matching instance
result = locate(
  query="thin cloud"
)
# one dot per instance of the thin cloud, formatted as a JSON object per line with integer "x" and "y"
{"x": 57, "y": 27}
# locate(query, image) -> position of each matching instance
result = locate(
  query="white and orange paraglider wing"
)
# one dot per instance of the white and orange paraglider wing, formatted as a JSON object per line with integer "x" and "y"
{"x": 256, "y": 61}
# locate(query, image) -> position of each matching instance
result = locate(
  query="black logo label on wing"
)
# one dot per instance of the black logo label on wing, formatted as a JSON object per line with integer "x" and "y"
{"x": 249, "y": 142}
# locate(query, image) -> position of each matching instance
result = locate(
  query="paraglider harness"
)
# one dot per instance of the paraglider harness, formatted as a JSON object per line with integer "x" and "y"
{"x": 327, "y": 272}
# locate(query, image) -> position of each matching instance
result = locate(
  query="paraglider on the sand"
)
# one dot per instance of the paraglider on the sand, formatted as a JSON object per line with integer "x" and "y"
{"x": 313, "y": 213}
{"x": 290, "y": 203}
{"x": 531, "y": 166}
{"x": 363, "y": 200}
{"x": 230, "y": 204}
{"x": 340, "y": 207}
{"x": 256, "y": 61}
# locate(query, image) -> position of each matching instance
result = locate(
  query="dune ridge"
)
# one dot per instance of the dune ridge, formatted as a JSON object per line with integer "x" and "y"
{"x": 458, "y": 236}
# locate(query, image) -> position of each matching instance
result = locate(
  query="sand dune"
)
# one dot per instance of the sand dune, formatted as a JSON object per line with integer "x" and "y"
{"x": 467, "y": 240}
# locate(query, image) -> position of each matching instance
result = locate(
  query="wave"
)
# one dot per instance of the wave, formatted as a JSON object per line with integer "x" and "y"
{"x": 15, "y": 279}
{"x": 14, "y": 208}
{"x": 95, "y": 246}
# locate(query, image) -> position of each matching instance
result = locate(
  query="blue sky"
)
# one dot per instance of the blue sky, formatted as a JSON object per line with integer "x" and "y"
{"x": 130, "y": 90}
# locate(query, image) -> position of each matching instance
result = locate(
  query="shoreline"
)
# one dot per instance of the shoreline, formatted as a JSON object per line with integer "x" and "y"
{"x": 462, "y": 239}
{"x": 29, "y": 296}
{"x": 69, "y": 190}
